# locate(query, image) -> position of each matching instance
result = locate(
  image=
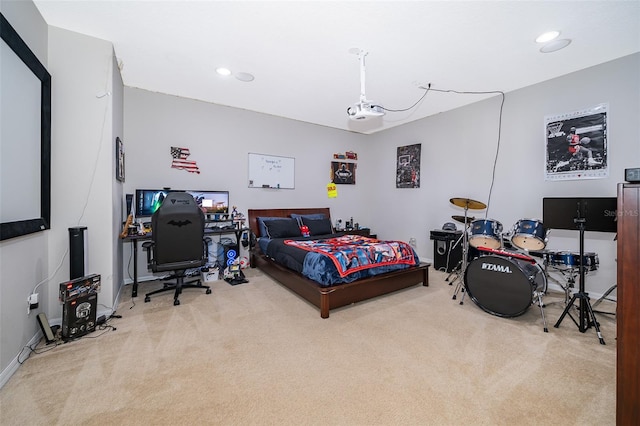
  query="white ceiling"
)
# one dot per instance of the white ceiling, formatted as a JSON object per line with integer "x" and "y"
{"x": 298, "y": 51}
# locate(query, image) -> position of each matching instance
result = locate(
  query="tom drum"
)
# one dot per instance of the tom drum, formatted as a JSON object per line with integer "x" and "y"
{"x": 486, "y": 233}
{"x": 529, "y": 234}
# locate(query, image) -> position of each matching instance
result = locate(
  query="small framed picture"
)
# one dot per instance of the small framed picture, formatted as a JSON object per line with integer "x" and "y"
{"x": 119, "y": 160}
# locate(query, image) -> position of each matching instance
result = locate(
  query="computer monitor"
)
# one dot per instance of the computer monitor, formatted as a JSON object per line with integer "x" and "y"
{"x": 148, "y": 201}
{"x": 211, "y": 202}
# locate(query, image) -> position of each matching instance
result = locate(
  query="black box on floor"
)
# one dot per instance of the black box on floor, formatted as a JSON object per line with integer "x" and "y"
{"x": 79, "y": 315}
{"x": 447, "y": 249}
{"x": 79, "y": 286}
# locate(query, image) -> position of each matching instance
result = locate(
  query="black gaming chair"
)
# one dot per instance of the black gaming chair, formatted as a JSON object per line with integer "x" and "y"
{"x": 178, "y": 243}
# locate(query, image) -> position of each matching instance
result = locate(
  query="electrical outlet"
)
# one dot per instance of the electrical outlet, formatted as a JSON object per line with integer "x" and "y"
{"x": 32, "y": 300}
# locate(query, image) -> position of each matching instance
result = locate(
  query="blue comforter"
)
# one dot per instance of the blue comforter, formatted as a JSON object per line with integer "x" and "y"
{"x": 323, "y": 267}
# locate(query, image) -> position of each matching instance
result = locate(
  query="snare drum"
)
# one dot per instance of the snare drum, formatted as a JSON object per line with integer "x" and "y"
{"x": 529, "y": 234}
{"x": 486, "y": 233}
{"x": 568, "y": 260}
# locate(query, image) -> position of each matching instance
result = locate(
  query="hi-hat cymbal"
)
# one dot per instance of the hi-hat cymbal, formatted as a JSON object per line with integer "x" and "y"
{"x": 468, "y": 203}
{"x": 461, "y": 219}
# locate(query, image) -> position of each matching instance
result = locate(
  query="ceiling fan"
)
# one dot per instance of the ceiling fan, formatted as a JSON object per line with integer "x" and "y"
{"x": 365, "y": 109}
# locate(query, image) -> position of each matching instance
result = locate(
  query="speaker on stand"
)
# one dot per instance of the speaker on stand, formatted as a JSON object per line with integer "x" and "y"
{"x": 77, "y": 251}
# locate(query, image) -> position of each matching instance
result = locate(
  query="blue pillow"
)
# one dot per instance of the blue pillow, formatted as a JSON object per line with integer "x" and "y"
{"x": 318, "y": 226}
{"x": 282, "y": 228}
{"x": 263, "y": 228}
{"x": 299, "y": 217}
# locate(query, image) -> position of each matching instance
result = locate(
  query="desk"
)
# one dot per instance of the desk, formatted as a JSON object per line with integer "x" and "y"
{"x": 207, "y": 232}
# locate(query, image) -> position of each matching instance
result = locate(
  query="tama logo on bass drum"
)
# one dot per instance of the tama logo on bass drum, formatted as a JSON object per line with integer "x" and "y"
{"x": 496, "y": 268}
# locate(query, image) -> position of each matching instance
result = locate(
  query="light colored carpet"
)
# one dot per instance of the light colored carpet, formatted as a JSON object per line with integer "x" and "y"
{"x": 257, "y": 354}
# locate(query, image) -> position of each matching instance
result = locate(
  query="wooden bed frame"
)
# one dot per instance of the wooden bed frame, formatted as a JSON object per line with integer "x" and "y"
{"x": 327, "y": 298}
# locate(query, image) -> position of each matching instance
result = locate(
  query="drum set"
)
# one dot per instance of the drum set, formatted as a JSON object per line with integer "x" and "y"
{"x": 498, "y": 269}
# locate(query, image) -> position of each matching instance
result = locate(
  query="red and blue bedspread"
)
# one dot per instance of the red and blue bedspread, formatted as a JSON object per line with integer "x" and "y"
{"x": 338, "y": 259}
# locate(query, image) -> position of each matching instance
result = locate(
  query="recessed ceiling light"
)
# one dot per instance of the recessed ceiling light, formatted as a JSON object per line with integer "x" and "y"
{"x": 223, "y": 71}
{"x": 244, "y": 76}
{"x": 548, "y": 36}
{"x": 555, "y": 45}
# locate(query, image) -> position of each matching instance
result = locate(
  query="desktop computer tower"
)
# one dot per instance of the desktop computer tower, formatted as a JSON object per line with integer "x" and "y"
{"x": 227, "y": 251}
{"x": 230, "y": 253}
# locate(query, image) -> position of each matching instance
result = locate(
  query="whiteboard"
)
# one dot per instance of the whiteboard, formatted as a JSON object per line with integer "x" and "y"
{"x": 271, "y": 171}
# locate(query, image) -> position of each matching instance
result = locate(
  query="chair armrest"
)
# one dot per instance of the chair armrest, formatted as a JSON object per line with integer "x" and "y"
{"x": 147, "y": 246}
{"x": 205, "y": 242}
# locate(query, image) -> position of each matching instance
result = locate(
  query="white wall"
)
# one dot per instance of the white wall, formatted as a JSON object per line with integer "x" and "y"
{"x": 219, "y": 139}
{"x": 24, "y": 261}
{"x": 459, "y": 147}
{"x": 458, "y": 152}
{"x": 84, "y": 128}
{"x": 86, "y": 114}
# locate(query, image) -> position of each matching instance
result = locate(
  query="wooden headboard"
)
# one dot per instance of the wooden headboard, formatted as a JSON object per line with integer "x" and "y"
{"x": 254, "y": 214}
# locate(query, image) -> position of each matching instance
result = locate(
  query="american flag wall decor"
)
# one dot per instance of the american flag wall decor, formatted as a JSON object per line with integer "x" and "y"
{"x": 180, "y": 160}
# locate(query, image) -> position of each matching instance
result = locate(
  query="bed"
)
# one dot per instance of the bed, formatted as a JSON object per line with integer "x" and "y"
{"x": 325, "y": 296}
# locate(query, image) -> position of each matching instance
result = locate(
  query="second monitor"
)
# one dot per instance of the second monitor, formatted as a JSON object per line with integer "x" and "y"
{"x": 211, "y": 202}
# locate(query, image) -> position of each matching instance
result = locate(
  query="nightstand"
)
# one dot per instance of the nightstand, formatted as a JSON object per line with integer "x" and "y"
{"x": 365, "y": 232}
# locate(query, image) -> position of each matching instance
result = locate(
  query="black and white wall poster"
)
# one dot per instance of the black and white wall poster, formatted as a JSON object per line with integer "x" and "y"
{"x": 576, "y": 145}
{"x": 408, "y": 166}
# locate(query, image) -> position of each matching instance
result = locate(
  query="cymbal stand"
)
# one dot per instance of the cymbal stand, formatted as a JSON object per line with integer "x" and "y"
{"x": 463, "y": 263}
{"x": 455, "y": 271}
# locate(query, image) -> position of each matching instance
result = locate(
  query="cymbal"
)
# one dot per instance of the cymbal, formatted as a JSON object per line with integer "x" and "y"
{"x": 468, "y": 203}
{"x": 461, "y": 219}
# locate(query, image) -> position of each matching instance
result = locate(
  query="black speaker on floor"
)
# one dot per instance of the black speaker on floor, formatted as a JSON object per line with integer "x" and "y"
{"x": 445, "y": 255}
{"x": 79, "y": 315}
{"x": 77, "y": 245}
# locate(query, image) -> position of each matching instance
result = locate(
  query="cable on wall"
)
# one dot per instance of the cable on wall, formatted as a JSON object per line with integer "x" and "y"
{"x": 495, "y": 160}
{"x": 91, "y": 182}
{"x": 460, "y": 92}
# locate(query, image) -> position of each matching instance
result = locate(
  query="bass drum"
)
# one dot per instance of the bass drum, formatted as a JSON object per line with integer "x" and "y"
{"x": 503, "y": 286}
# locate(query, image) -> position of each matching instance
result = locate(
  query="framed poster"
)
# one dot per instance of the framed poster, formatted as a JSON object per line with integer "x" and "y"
{"x": 408, "y": 166}
{"x": 343, "y": 173}
{"x": 119, "y": 160}
{"x": 576, "y": 145}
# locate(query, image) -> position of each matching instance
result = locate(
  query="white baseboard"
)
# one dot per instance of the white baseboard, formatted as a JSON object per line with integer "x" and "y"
{"x": 13, "y": 366}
